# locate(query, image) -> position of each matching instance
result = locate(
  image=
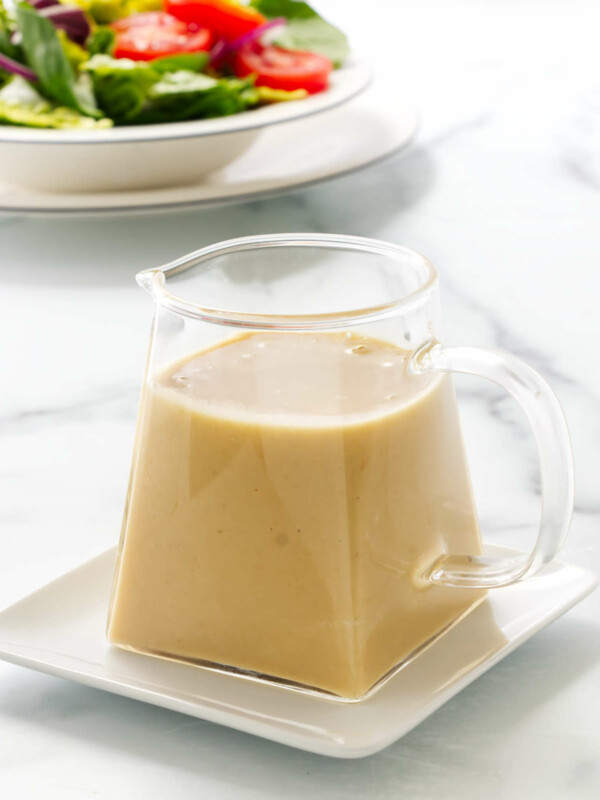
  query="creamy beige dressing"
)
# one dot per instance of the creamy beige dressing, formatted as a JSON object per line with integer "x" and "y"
{"x": 288, "y": 491}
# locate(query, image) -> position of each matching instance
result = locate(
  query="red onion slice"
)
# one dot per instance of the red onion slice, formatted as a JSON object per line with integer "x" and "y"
{"x": 39, "y": 4}
{"x": 15, "y": 68}
{"x": 223, "y": 48}
{"x": 70, "y": 18}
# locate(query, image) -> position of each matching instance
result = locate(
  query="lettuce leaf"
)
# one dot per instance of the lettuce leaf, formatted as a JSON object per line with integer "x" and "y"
{"x": 20, "y": 104}
{"x": 105, "y": 11}
{"x": 266, "y": 95}
{"x": 75, "y": 54}
{"x": 185, "y": 95}
{"x": 182, "y": 82}
{"x": 7, "y": 48}
{"x": 140, "y": 92}
{"x": 7, "y": 28}
{"x": 101, "y": 41}
{"x": 305, "y": 29}
{"x": 120, "y": 85}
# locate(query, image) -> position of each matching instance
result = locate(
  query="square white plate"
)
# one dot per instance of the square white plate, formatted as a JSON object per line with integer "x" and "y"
{"x": 60, "y": 630}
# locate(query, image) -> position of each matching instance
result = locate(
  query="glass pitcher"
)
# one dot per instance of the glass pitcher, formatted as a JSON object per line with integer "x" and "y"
{"x": 300, "y": 508}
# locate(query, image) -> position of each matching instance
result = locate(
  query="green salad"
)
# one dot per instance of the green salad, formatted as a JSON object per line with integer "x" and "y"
{"x": 97, "y": 63}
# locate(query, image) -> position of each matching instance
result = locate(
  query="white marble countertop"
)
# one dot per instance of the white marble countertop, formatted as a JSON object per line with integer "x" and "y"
{"x": 501, "y": 189}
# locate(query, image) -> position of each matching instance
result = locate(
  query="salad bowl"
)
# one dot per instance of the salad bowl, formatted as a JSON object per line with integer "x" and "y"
{"x": 153, "y": 156}
{"x": 129, "y": 95}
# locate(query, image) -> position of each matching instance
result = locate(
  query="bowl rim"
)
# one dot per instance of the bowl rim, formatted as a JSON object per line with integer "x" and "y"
{"x": 346, "y": 83}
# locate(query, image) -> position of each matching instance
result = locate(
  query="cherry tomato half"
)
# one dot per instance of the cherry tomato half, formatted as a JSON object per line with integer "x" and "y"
{"x": 155, "y": 34}
{"x": 283, "y": 69}
{"x": 226, "y": 18}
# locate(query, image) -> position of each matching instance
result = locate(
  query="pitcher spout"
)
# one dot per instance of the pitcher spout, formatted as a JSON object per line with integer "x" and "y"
{"x": 147, "y": 280}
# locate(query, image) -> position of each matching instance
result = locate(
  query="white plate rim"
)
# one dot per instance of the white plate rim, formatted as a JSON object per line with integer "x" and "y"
{"x": 151, "y": 202}
{"x": 163, "y": 207}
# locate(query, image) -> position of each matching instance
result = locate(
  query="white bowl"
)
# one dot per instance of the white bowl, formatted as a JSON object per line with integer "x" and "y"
{"x": 153, "y": 156}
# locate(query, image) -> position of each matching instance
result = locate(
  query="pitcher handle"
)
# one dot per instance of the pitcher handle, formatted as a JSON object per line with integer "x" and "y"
{"x": 549, "y": 427}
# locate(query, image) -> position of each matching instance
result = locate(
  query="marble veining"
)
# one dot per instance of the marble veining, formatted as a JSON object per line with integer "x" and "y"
{"x": 500, "y": 190}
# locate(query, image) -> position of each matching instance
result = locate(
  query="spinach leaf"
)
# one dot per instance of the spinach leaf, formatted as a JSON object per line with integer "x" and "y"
{"x": 101, "y": 41}
{"x": 47, "y": 59}
{"x": 121, "y": 85}
{"x": 20, "y": 104}
{"x": 192, "y": 62}
{"x": 103, "y": 65}
{"x": 290, "y": 9}
{"x": 305, "y": 29}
